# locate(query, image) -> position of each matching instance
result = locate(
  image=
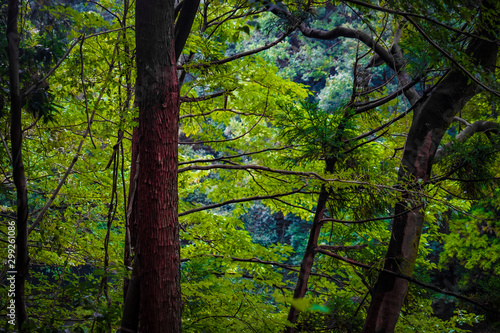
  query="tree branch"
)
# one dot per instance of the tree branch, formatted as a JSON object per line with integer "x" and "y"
{"x": 185, "y": 99}
{"x": 255, "y": 198}
{"x": 381, "y": 101}
{"x": 264, "y": 262}
{"x": 408, "y": 278}
{"x": 370, "y": 220}
{"x": 233, "y": 156}
{"x": 226, "y": 140}
{"x": 184, "y": 24}
{"x": 449, "y": 57}
{"x": 241, "y": 54}
{"x": 424, "y": 17}
{"x": 480, "y": 126}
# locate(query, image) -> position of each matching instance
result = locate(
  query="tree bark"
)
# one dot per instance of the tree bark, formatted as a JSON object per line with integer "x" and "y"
{"x": 157, "y": 95}
{"x": 22, "y": 257}
{"x": 432, "y": 117}
{"x": 152, "y": 208}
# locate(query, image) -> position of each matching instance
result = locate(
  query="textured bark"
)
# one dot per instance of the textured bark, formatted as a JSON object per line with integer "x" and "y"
{"x": 153, "y": 228}
{"x": 22, "y": 258}
{"x": 157, "y": 95}
{"x": 432, "y": 118}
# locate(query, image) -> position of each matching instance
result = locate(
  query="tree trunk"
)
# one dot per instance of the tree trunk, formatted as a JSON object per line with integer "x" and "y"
{"x": 312, "y": 243}
{"x": 157, "y": 95}
{"x": 309, "y": 254}
{"x": 22, "y": 259}
{"x": 432, "y": 117}
{"x": 152, "y": 208}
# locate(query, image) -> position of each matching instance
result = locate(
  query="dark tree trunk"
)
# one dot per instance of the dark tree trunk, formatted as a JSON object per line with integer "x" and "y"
{"x": 153, "y": 228}
{"x": 157, "y": 95}
{"x": 131, "y": 220}
{"x": 432, "y": 118}
{"x": 22, "y": 259}
{"x": 309, "y": 254}
{"x": 312, "y": 243}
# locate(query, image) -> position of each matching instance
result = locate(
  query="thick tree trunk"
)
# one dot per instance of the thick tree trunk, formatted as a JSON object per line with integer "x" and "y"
{"x": 157, "y": 95}
{"x": 431, "y": 120}
{"x": 22, "y": 259}
{"x": 153, "y": 183}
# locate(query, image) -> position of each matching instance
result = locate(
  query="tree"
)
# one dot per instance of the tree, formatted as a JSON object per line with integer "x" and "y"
{"x": 432, "y": 117}
{"x": 157, "y": 97}
{"x": 155, "y": 152}
{"x": 22, "y": 259}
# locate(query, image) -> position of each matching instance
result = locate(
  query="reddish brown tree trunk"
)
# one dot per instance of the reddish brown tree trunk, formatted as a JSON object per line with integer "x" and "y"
{"x": 22, "y": 259}
{"x": 153, "y": 230}
{"x": 157, "y": 95}
{"x": 431, "y": 120}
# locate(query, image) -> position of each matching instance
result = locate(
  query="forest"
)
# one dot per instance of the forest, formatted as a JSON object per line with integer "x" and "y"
{"x": 249, "y": 166}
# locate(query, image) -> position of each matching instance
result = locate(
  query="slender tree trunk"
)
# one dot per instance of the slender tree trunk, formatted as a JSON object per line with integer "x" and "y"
{"x": 129, "y": 220}
{"x": 22, "y": 259}
{"x": 130, "y": 319}
{"x": 312, "y": 243}
{"x": 431, "y": 120}
{"x": 309, "y": 254}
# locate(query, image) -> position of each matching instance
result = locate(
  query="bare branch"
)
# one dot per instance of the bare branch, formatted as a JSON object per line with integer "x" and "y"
{"x": 185, "y": 99}
{"x": 424, "y": 17}
{"x": 408, "y": 278}
{"x": 449, "y": 57}
{"x": 226, "y": 140}
{"x": 342, "y": 247}
{"x": 255, "y": 198}
{"x": 480, "y": 126}
{"x": 241, "y": 54}
{"x": 372, "y": 219}
{"x": 265, "y": 262}
{"x": 192, "y": 115}
{"x": 234, "y": 156}
{"x": 364, "y": 143}
{"x": 381, "y": 127}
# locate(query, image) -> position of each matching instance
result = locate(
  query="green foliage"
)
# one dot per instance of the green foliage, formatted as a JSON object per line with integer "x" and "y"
{"x": 473, "y": 164}
{"x": 316, "y": 131}
{"x": 273, "y": 117}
